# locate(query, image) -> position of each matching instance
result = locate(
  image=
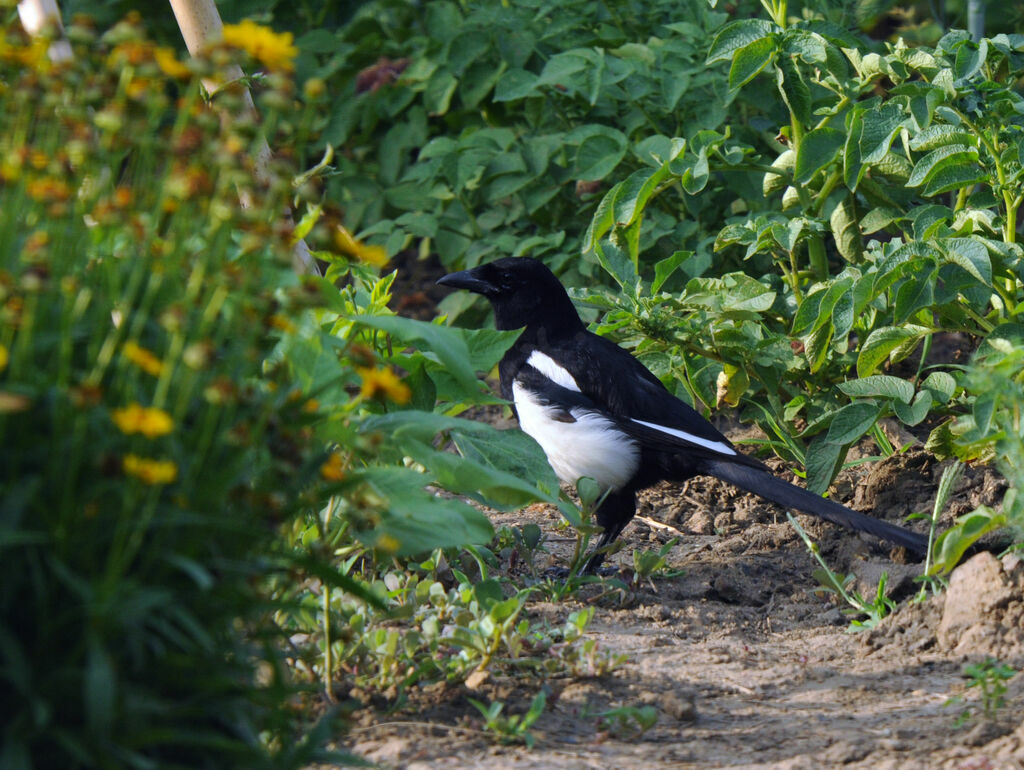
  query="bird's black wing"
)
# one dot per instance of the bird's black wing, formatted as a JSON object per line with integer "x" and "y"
{"x": 623, "y": 388}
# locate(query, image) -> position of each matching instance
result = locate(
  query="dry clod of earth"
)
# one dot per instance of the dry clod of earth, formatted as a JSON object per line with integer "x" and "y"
{"x": 746, "y": 665}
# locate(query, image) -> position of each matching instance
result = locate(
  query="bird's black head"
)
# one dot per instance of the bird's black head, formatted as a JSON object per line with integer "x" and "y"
{"x": 523, "y": 292}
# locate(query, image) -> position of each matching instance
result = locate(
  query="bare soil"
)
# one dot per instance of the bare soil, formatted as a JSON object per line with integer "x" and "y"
{"x": 745, "y": 663}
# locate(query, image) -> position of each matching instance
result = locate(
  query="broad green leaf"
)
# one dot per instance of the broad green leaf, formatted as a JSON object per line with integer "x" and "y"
{"x": 916, "y": 292}
{"x": 664, "y": 268}
{"x": 817, "y": 150}
{"x": 971, "y": 255}
{"x": 794, "y": 90}
{"x": 881, "y": 124}
{"x": 853, "y": 162}
{"x": 951, "y": 178}
{"x": 635, "y": 193}
{"x": 942, "y": 135}
{"x": 941, "y": 385}
{"x": 447, "y": 344}
{"x": 882, "y": 385}
{"x": 824, "y": 459}
{"x": 881, "y": 342}
{"x": 845, "y": 231}
{"x": 599, "y": 154}
{"x": 852, "y": 421}
{"x": 878, "y": 219}
{"x": 970, "y": 58}
{"x": 750, "y": 60}
{"x": 515, "y": 84}
{"x": 951, "y": 545}
{"x": 415, "y": 518}
{"x": 736, "y": 35}
{"x": 943, "y": 157}
{"x": 914, "y": 413}
{"x": 602, "y": 221}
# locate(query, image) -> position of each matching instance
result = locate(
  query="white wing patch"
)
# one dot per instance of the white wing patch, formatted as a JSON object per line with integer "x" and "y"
{"x": 714, "y": 446}
{"x": 546, "y": 365}
{"x": 591, "y": 446}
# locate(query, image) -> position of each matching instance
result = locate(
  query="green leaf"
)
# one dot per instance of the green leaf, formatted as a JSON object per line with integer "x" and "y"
{"x": 794, "y": 90}
{"x": 953, "y": 543}
{"x": 852, "y": 421}
{"x": 882, "y": 385}
{"x": 750, "y": 60}
{"x": 941, "y": 385}
{"x": 736, "y": 35}
{"x": 447, "y": 344}
{"x": 515, "y": 84}
{"x": 415, "y": 518}
{"x": 942, "y": 135}
{"x": 914, "y": 414}
{"x": 971, "y": 255}
{"x": 970, "y": 58}
{"x": 664, "y": 268}
{"x": 824, "y": 459}
{"x": 817, "y": 150}
{"x": 599, "y": 154}
{"x": 881, "y": 125}
{"x": 952, "y": 178}
{"x": 843, "y": 223}
{"x": 939, "y": 159}
{"x": 881, "y": 342}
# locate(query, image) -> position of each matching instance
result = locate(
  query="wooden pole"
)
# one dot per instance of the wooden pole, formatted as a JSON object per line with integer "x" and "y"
{"x": 201, "y": 27}
{"x": 37, "y": 16}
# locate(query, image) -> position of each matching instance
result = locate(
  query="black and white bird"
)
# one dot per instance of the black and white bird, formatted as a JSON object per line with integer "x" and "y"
{"x": 596, "y": 411}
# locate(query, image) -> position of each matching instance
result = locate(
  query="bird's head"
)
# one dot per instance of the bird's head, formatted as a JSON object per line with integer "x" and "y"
{"x": 522, "y": 290}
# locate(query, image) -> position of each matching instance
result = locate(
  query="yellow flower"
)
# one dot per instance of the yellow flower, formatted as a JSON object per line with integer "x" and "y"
{"x": 333, "y": 468}
{"x": 387, "y": 543}
{"x": 148, "y": 421}
{"x": 142, "y": 358}
{"x": 383, "y": 382}
{"x": 169, "y": 64}
{"x": 353, "y": 247}
{"x": 274, "y": 50}
{"x": 150, "y": 471}
{"x": 4, "y": 358}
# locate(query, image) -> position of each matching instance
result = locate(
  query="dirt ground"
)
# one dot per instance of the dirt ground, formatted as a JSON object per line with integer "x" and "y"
{"x": 746, "y": 665}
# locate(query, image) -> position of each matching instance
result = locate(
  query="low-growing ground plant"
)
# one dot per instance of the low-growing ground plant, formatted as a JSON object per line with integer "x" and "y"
{"x": 988, "y": 678}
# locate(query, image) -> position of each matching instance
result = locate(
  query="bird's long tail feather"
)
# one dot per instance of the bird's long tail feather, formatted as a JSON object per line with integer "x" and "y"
{"x": 782, "y": 492}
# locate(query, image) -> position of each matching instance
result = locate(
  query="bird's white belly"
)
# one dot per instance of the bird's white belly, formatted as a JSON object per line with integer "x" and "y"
{"x": 591, "y": 446}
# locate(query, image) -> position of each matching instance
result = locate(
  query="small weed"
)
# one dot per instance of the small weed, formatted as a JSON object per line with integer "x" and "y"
{"x": 648, "y": 565}
{"x": 988, "y": 678}
{"x": 627, "y": 721}
{"x": 512, "y": 728}
{"x": 839, "y": 585}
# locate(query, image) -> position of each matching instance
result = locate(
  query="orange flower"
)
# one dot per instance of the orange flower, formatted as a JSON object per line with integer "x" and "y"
{"x": 351, "y": 246}
{"x": 274, "y": 50}
{"x": 150, "y": 471}
{"x": 383, "y": 382}
{"x": 148, "y": 421}
{"x": 333, "y": 468}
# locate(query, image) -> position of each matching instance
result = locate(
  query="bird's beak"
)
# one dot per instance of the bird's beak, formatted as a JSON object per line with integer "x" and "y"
{"x": 466, "y": 279}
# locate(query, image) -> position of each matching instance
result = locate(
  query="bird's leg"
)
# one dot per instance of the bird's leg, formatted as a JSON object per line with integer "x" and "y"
{"x": 613, "y": 514}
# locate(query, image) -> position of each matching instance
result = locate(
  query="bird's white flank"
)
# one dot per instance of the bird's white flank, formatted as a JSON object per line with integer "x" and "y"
{"x": 714, "y": 446}
{"x": 590, "y": 446}
{"x": 546, "y": 365}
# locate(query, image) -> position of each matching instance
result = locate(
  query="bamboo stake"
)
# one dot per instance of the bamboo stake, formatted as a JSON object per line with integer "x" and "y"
{"x": 201, "y": 26}
{"x": 38, "y": 15}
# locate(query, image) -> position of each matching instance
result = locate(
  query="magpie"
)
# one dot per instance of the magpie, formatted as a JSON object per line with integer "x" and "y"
{"x": 597, "y": 411}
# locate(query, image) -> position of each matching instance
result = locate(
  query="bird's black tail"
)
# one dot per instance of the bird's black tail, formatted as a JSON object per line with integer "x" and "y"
{"x": 782, "y": 492}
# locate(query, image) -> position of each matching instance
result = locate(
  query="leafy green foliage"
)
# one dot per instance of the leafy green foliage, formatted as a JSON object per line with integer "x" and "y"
{"x": 512, "y": 728}
{"x": 147, "y": 455}
{"x": 988, "y": 678}
{"x": 890, "y": 215}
